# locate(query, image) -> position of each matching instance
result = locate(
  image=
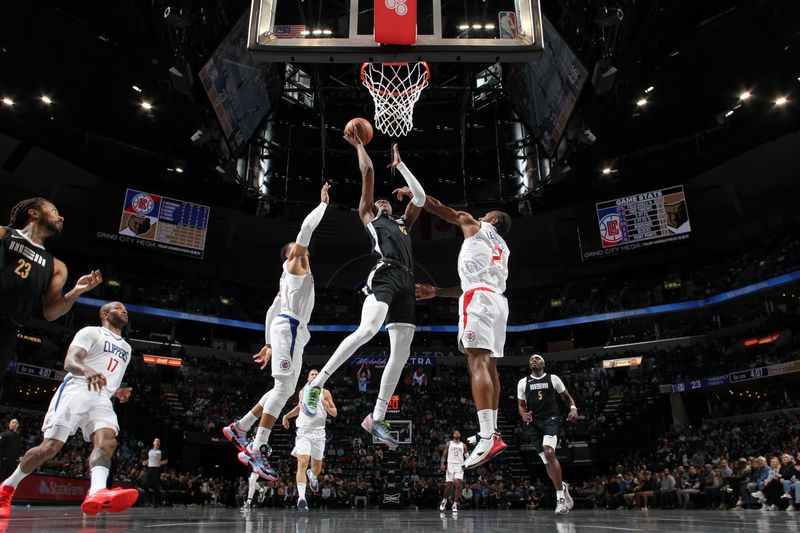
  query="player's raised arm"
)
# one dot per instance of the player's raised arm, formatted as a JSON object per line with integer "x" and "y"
{"x": 415, "y": 190}
{"x": 297, "y": 257}
{"x": 469, "y": 226}
{"x": 367, "y": 178}
{"x": 426, "y": 291}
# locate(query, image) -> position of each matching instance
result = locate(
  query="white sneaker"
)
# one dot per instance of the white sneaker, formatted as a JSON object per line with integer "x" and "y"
{"x": 567, "y": 497}
{"x": 758, "y": 495}
{"x": 786, "y": 496}
{"x": 443, "y": 504}
{"x": 774, "y": 507}
{"x": 313, "y": 482}
{"x": 247, "y": 505}
{"x": 562, "y": 508}
{"x": 790, "y": 509}
{"x": 455, "y": 507}
{"x": 644, "y": 508}
{"x": 740, "y": 504}
{"x": 484, "y": 451}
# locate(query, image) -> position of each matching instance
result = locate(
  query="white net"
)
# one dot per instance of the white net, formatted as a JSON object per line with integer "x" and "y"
{"x": 395, "y": 88}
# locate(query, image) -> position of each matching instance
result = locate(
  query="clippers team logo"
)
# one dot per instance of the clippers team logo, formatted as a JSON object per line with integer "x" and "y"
{"x": 612, "y": 228}
{"x": 399, "y": 6}
{"x": 469, "y": 335}
{"x": 285, "y": 364}
{"x": 142, "y": 203}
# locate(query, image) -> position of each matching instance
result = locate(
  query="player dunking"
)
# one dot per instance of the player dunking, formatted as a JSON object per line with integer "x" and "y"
{"x": 389, "y": 289}
{"x": 452, "y": 464}
{"x": 96, "y": 361}
{"x": 286, "y": 328}
{"x": 29, "y": 274}
{"x": 483, "y": 312}
{"x": 538, "y": 405}
{"x": 309, "y": 444}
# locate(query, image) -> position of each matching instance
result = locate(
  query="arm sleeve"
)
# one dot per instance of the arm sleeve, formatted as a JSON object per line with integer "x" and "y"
{"x": 416, "y": 189}
{"x": 310, "y": 223}
{"x": 272, "y": 312}
{"x": 558, "y": 384}
{"x": 84, "y": 338}
{"x": 521, "y": 390}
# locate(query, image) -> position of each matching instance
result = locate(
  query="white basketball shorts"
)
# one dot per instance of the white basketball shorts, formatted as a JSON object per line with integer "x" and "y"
{"x": 289, "y": 339}
{"x": 454, "y": 472}
{"x": 74, "y": 406}
{"x": 310, "y": 442}
{"x": 483, "y": 315}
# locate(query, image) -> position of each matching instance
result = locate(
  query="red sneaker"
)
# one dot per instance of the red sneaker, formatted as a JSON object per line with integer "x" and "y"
{"x": 6, "y": 493}
{"x": 485, "y": 450}
{"x": 115, "y": 500}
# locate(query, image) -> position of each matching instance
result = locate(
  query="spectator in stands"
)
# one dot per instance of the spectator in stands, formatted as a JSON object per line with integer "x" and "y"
{"x": 790, "y": 475}
{"x": 758, "y": 475}
{"x": 772, "y": 489}
{"x": 712, "y": 485}
{"x": 646, "y": 490}
{"x": 667, "y": 490}
{"x": 689, "y": 487}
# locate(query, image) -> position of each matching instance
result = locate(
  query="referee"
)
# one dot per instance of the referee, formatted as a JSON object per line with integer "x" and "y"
{"x": 30, "y": 277}
{"x": 153, "y": 478}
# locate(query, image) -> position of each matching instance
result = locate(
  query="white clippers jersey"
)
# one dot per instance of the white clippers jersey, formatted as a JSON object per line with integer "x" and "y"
{"x": 317, "y": 421}
{"x": 483, "y": 260}
{"x": 106, "y": 353}
{"x": 455, "y": 455}
{"x": 297, "y": 295}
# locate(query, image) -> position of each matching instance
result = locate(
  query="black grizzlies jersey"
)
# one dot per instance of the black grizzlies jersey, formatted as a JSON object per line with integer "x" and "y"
{"x": 25, "y": 273}
{"x": 391, "y": 241}
{"x": 541, "y": 397}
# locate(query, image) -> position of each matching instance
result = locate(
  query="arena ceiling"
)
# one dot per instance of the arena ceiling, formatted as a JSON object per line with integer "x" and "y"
{"x": 698, "y": 57}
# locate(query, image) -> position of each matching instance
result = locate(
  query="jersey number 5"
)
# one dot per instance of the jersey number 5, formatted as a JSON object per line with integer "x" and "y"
{"x": 540, "y": 394}
{"x": 112, "y": 364}
{"x": 498, "y": 255}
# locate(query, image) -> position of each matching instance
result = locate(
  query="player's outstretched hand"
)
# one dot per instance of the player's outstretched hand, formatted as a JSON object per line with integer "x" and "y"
{"x": 403, "y": 191}
{"x": 323, "y": 195}
{"x": 441, "y": 467}
{"x": 285, "y": 422}
{"x": 424, "y": 291}
{"x": 123, "y": 394}
{"x": 95, "y": 380}
{"x": 353, "y": 139}
{"x": 527, "y": 417}
{"x": 88, "y": 282}
{"x": 263, "y": 357}
{"x": 395, "y": 157}
{"x": 573, "y": 415}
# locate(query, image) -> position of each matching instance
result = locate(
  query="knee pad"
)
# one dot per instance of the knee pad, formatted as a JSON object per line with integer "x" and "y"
{"x": 281, "y": 391}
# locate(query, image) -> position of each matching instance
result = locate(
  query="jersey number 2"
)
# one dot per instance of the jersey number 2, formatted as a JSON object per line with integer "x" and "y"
{"x": 23, "y": 270}
{"x": 498, "y": 255}
{"x": 112, "y": 364}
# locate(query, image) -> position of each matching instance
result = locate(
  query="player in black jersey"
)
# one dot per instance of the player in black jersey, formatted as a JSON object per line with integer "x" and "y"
{"x": 30, "y": 277}
{"x": 389, "y": 289}
{"x": 537, "y": 395}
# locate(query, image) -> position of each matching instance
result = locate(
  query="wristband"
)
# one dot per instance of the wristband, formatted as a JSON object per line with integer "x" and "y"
{"x": 571, "y": 407}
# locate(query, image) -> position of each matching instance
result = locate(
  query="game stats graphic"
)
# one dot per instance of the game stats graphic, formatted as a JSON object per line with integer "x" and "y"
{"x": 154, "y": 221}
{"x": 644, "y": 219}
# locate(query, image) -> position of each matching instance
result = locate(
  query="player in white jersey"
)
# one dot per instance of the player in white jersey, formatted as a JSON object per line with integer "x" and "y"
{"x": 483, "y": 312}
{"x": 310, "y": 441}
{"x": 452, "y": 464}
{"x": 286, "y": 335}
{"x": 96, "y": 361}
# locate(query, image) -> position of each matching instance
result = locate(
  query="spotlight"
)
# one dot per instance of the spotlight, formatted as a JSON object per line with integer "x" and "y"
{"x": 489, "y": 27}
{"x": 649, "y": 90}
{"x": 136, "y": 88}
{"x": 179, "y": 170}
{"x": 607, "y": 171}
{"x": 317, "y": 32}
{"x": 729, "y": 113}
{"x": 781, "y": 101}
{"x": 8, "y": 101}
{"x": 745, "y": 95}
{"x": 326, "y": 32}
{"x": 476, "y": 26}
{"x": 305, "y": 32}
{"x": 463, "y": 27}
{"x": 46, "y": 99}
{"x": 147, "y": 106}
{"x": 642, "y": 102}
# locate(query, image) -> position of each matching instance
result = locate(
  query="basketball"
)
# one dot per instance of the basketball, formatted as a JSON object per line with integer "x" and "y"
{"x": 361, "y": 127}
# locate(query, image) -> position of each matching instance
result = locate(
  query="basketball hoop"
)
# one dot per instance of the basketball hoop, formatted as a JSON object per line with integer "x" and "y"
{"x": 395, "y": 88}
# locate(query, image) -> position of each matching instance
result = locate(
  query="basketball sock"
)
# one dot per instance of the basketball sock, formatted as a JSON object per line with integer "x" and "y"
{"x": 486, "y": 423}
{"x": 252, "y": 485}
{"x": 301, "y": 491}
{"x": 559, "y": 495}
{"x": 247, "y": 421}
{"x": 99, "y": 477}
{"x": 15, "y": 478}
{"x": 400, "y": 337}
{"x": 373, "y": 313}
{"x": 262, "y": 437}
{"x": 494, "y": 418}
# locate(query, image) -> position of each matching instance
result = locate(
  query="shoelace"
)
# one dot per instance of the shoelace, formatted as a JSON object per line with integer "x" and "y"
{"x": 313, "y": 395}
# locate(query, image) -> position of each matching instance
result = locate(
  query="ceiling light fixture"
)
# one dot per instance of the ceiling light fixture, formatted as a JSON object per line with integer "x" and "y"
{"x": 607, "y": 171}
{"x": 46, "y": 99}
{"x": 179, "y": 170}
{"x": 489, "y": 27}
{"x": 649, "y": 89}
{"x": 8, "y": 101}
{"x": 781, "y": 101}
{"x": 136, "y": 88}
{"x": 147, "y": 106}
{"x": 745, "y": 95}
{"x": 463, "y": 27}
{"x": 642, "y": 102}
{"x": 476, "y": 26}
{"x": 729, "y": 113}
